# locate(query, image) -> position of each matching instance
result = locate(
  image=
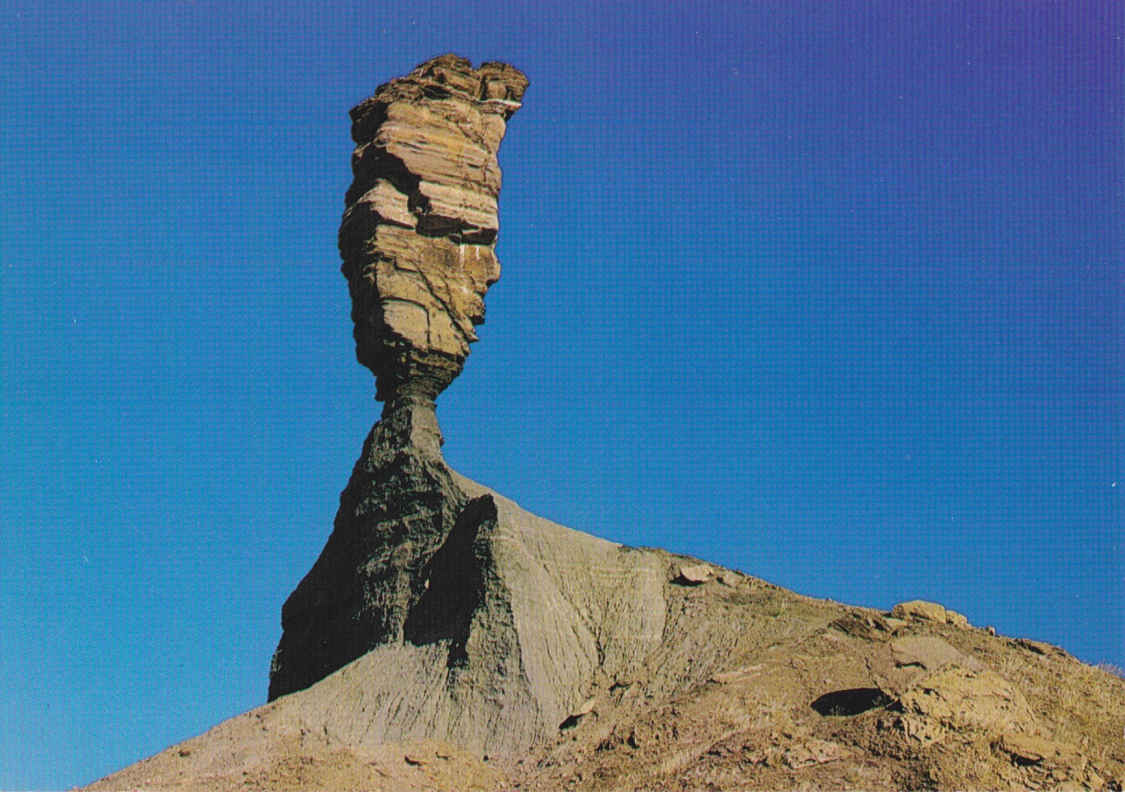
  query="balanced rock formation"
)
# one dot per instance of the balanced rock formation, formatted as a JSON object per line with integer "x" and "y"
{"x": 447, "y": 639}
{"x": 420, "y": 226}
{"x": 417, "y": 243}
{"x": 475, "y": 621}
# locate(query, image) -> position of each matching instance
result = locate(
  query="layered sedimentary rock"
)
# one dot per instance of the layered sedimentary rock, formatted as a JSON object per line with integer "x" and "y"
{"x": 418, "y": 235}
{"x": 477, "y": 621}
{"x": 417, "y": 242}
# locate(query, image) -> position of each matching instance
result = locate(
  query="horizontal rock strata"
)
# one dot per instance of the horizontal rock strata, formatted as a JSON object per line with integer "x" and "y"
{"x": 418, "y": 235}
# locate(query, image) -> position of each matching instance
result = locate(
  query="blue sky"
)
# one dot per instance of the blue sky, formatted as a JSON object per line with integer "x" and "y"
{"x": 831, "y": 293}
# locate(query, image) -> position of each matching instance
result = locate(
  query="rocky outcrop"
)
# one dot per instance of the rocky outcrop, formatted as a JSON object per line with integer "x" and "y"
{"x": 474, "y": 619}
{"x": 490, "y": 635}
{"x": 420, "y": 226}
{"x": 555, "y": 660}
{"x": 417, "y": 242}
{"x": 930, "y": 611}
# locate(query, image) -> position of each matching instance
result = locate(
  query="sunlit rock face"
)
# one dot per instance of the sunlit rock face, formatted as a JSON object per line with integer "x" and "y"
{"x": 417, "y": 243}
{"x": 418, "y": 233}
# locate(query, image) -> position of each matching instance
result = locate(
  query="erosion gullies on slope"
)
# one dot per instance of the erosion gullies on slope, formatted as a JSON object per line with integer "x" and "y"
{"x": 512, "y": 636}
{"x": 481, "y": 623}
{"x": 552, "y": 659}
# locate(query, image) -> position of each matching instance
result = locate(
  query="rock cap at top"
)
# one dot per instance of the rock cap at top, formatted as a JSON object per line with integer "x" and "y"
{"x": 419, "y": 229}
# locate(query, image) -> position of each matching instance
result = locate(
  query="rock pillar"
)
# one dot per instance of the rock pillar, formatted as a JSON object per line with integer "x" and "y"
{"x": 418, "y": 235}
{"x": 417, "y": 242}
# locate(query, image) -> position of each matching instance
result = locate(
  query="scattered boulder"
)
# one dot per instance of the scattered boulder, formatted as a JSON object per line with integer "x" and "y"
{"x": 903, "y": 660}
{"x": 694, "y": 574}
{"x": 727, "y": 677}
{"x": 861, "y": 624}
{"x": 1041, "y": 648}
{"x": 956, "y": 619}
{"x": 919, "y": 609}
{"x": 929, "y": 611}
{"x": 585, "y": 708}
{"x": 580, "y": 712}
{"x": 957, "y": 699}
{"x": 928, "y": 652}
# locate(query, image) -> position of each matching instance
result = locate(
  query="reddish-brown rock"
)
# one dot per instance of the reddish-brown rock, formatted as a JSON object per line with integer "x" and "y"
{"x": 418, "y": 233}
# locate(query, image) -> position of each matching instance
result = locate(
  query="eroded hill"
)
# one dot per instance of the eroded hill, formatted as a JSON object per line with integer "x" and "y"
{"x": 659, "y": 672}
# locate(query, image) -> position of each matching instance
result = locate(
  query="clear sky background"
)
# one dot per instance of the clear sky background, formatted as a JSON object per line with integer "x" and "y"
{"x": 831, "y": 293}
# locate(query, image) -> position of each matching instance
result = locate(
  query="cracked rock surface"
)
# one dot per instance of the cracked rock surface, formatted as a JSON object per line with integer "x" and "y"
{"x": 417, "y": 242}
{"x": 418, "y": 235}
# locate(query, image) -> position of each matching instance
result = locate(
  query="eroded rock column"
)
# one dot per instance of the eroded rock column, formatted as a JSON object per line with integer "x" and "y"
{"x": 417, "y": 242}
{"x": 418, "y": 235}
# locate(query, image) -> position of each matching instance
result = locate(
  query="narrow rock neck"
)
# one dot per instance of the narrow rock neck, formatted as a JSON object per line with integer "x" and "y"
{"x": 410, "y": 421}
